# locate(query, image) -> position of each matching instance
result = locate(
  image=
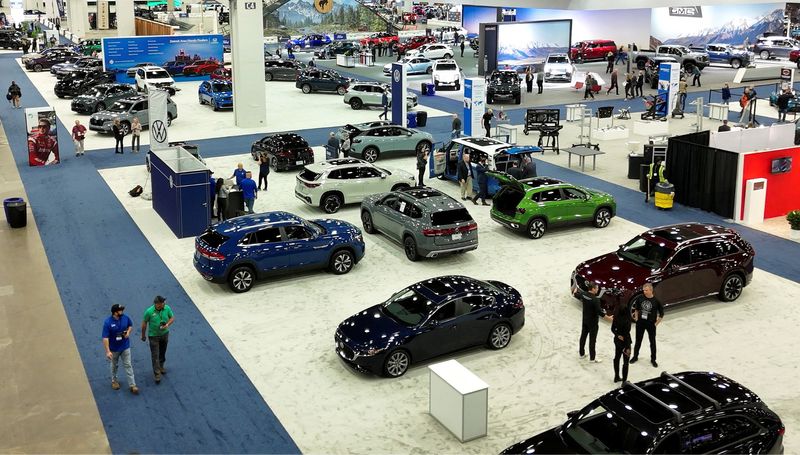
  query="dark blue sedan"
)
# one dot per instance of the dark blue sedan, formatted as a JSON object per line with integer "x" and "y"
{"x": 429, "y": 319}
{"x": 242, "y": 249}
{"x": 217, "y": 93}
{"x": 314, "y": 40}
{"x": 174, "y": 68}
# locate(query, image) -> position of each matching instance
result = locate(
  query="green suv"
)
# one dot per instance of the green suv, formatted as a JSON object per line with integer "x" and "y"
{"x": 533, "y": 205}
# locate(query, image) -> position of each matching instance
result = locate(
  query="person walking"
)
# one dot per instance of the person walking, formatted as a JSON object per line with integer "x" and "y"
{"x": 621, "y": 328}
{"x": 462, "y": 47}
{"x": 78, "y": 135}
{"x": 640, "y": 84}
{"x": 239, "y": 174}
{"x": 587, "y": 89}
{"x": 136, "y": 135}
{"x": 628, "y": 86}
{"x": 222, "y": 190}
{"x": 156, "y": 322}
{"x": 455, "y": 130}
{"x": 117, "y": 330}
{"x": 332, "y": 147}
{"x": 249, "y": 191}
{"x": 385, "y": 104}
{"x": 212, "y": 192}
{"x": 487, "y": 121}
{"x": 529, "y": 80}
{"x": 483, "y": 181}
{"x": 422, "y": 161}
{"x": 783, "y": 104}
{"x": 592, "y": 312}
{"x": 726, "y": 94}
{"x": 648, "y": 313}
{"x": 14, "y": 94}
{"x": 465, "y": 174}
{"x": 610, "y": 62}
{"x": 119, "y": 135}
{"x": 620, "y": 56}
{"x": 682, "y": 87}
{"x": 696, "y": 75}
{"x": 263, "y": 170}
{"x": 614, "y": 82}
{"x": 540, "y": 80}
{"x": 345, "y": 145}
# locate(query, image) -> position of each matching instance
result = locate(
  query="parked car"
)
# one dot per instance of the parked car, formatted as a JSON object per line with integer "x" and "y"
{"x": 99, "y": 97}
{"x": 222, "y": 73}
{"x": 339, "y": 47}
{"x": 282, "y": 70}
{"x": 448, "y": 33}
{"x": 154, "y": 77}
{"x": 308, "y": 41}
{"x": 34, "y": 55}
{"x": 794, "y": 56}
{"x": 48, "y": 60}
{"x": 380, "y": 38}
{"x": 414, "y": 42}
{"x": 534, "y": 205}
{"x": 434, "y": 317}
{"x": 355, "y": 130}
{"x": 369, "y": 94}
{"x": 775, "y": 46}
{"x": 70, "y": 61}
{"x": 125, "y": 110}
{"x": 88, "y": 63}
{"x": 216, "y": 93}
{"x": 434, "y": 51}
{"x": 426, "y": 222}
{"x": 243, "y": 249}
{"x": 414, "y": 65}
{"x": 10, "y": 39}
{"x": 320, "y": 80}
{"x": 331, "y": 184}
{"x": 372, "y": 143}
{"x": 683, "y": 262}
{"x": 682, "y": 54}
{"x": 446, "y": 73}
{"x": 90, "y": 46}
{"x": 285, "y": 151}
{"x": 174, "y": 67}
{"x": 504, "y": 85}
{"x": 131, "y": 72}
{"x": 201, "y": 67}
{"x": 80, "y": 81}
{"x": 592, "y": 49}
{"x": 558, "y": 67}
{"x": 689, "y": 412}
{"x": 727, "y": 55}
{"x": 794, "y": 103}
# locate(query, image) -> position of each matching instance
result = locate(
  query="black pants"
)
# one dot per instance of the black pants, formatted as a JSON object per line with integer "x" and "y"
{"x": 541, "y": 86}
{"x": 462, "y": 51}
{"x": 610, "y": 67}
{"x": 530, "y": 86}
{"x": 158, "y": 351}
{"x": 421, "y": 172}
{"x": 591, "y": 331}
{"x": 118, "y": 146}
{"x": 639, "y": 91}
{"x": 483, "y": 192}
{"x": 222, "y": 206}
{"x": 641, "y": 327}
{"x": 696, "y": 78}
{"x": 135, "y": 142}
{"x": 613, "y": 86}
{"x": 488, "y": 129}
{"x": 264, "y": 178}
{"x": 588, "y": 92}
{"x": 619, "y": 353}
{"x": 385, "y": 113}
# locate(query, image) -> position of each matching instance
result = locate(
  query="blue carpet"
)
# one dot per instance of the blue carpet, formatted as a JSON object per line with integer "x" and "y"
{"x": 205, "y": 404}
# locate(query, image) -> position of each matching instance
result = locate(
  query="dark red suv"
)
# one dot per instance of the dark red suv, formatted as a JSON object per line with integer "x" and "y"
{"x": 597, "y": 49}
{"x": 201, "y": 67}
{"x": 683, "y": 261}
{"x": 414, "y": 43}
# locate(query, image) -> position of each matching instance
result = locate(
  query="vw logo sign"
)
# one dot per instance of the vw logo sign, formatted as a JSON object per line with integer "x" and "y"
{"x": 159, "y": 131}
{"x": 397, "y": 75}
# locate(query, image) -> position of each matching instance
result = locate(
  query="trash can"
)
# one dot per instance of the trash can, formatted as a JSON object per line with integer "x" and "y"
{"x": 423, "y": 90}
{"x": 635, "y": 160}
{"x": 411, "y": 119}
{"x": 16, "y": 212}
{"x": 422, "y": 119}
{"x": 430, "y": 89}
{"x": 665, "y": 193}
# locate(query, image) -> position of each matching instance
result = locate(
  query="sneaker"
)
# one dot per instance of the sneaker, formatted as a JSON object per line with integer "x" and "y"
{"x": 163, "y": 370}
{"x": 595, "y": 360}
{"x": 115, "y": 385}
{"x": 134, "y": 390}
{"x": 634, "y": 360}
{"x": 617, "y": 379}
{"x": 157, "y": 377}
{"x": 654, "y": 363}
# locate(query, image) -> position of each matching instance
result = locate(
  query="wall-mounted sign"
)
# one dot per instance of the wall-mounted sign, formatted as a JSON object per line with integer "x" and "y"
{"x": 323, "y": 6}
{"x": 685, "y": 11}
{"x": 249, "y": 5}
{"x": 102, "y": 14}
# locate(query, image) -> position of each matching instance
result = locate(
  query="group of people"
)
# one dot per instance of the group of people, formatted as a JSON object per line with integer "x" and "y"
{"x": 336, "y": 148}
{"x": 530, "y": 77}
{"x": 120, "y": 133}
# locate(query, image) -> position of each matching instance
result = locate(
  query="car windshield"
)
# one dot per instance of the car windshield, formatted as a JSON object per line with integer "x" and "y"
{"x": 559, "y": 59}
{"x": 407, "y": 307}
{"x": 601, "y": 431}
{"x": 222, "y": 87}
{"x": 506, "y": 79}
{"x": 159, "y": 74}
{"x": 120, "y": 106}
{"x": 446, "y": 67}
{"x": 645, "y": 252}
{"x": 683, "y": 49}
{"x": 97, "y": 92}
{"x": 316, "y": 228}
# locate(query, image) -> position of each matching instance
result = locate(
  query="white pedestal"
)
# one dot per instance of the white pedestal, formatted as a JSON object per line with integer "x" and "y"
{"x": 574, "y": 112}
{"x": 346, "y": 61}
{"x": 755, "y": 201}
{"x": 459, "y": 400}
{"x": 507, "y": 131}
{"x": 718, "y": 111}
{"x": 655, "y": 128}
{"x": 611, "y": 134}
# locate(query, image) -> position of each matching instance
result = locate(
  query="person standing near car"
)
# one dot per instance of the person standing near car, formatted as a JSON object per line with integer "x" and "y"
{"x": 592, "y": 312}
{"x": 156, "y": 322}
{"x": 783, "y": 104}
{"x": 78, "y": 136}
{"x": 385, "y": 104}
{"x": 648, "y": 313}
{"x": 696, "y": 75}
{"x": 332, "y": 147}
{"x": 540, "y": 80}
{"x": 249, "y": 191}
{"x": 239, "y": 174}
{"x": 119, "y": 135}
{"x": 263, "y": 170}
{"x": 465, "y": 175}
{"x": 621, "y": 328}
{"x": 462, "y": 47}
{"x": 136, "y": 135}
{"x": 222, "y": 190}
{"x": 422, "y": 161}
{"x": 345, "y": 145}
{"x": 529, "y": 79}
{"x": 610, "y": 62}
{"x": 455, "y": 127}
{"x": 483, "y": 182}
{"x": 640, "y": 84}
{"x": 117, "y": 330}
{"x": 487, "y": 122}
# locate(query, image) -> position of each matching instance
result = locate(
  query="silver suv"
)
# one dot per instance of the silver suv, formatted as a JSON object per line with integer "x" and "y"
{"x": 775, "y": 46}
{"x": 125, "y": 110}
{"x": 426, "y": 222}
{"x": 363, "y": 94}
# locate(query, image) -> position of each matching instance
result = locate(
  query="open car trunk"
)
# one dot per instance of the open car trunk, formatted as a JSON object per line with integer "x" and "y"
{"x": 507, "y": 199}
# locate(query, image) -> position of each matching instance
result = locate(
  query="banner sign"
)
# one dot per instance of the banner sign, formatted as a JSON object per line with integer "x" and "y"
{"x": 686, "y": 11}
{"x": 122, "y": 53}
{"x": 102, "y": 14}
{"x": 17, "y": 11}
{"x": 157, "y": 111}
{"x": 474, "y": 105}
{"x": 399, "y": 89}
{"x": 40, "y": 123}
{"x": 339, "y": 36}
{"x": 668, "y": 80}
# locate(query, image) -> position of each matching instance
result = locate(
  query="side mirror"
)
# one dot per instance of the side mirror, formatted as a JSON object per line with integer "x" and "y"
{"x": 409, "y": 133}
{"x": 383, "y": 176}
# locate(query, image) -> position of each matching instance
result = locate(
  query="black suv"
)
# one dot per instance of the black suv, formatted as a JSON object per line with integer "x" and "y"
{"x": 10, "y": 39}
{"x": 79, "y": 81}
{"x": 317, "y": 80}
{"x": 691, "y": 412}
{"x": 503, "y": 85}
{"x": 284, "y": 150}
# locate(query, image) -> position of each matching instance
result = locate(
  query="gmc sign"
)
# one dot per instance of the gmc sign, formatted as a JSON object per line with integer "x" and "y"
{"x": 685, "y": 11}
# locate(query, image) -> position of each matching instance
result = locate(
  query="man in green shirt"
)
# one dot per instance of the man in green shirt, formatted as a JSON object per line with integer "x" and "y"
{"x": 157, "y": 320}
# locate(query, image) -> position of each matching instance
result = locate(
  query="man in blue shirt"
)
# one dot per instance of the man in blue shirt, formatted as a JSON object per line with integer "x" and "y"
{"x": 239, "y": 174}
{"x": 116, "y": 341}
{"x": 249, "y": 191}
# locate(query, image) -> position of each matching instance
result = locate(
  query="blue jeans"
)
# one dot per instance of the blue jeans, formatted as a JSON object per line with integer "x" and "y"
{"x": 126, "y": 363}
{"x": 249, "y": 203}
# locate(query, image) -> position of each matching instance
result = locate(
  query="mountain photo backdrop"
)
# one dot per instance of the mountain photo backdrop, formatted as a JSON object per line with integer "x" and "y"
{"x": 527, "y": 43}
{"x": 300, "y": 16}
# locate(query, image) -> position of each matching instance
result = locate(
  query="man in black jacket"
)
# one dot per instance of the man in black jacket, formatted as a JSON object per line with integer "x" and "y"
{"x": 592, "y": 312}
{"x": 783, "y": 104}
{"x": 422, "y": 160}
{"x": 465, "y": 175}
{"x": 647, "y": 312}
{"x": 639, "y": 84}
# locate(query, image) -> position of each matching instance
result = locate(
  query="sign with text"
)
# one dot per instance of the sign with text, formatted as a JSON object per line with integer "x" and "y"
{"x": 686, "y": 11}
{"x": 399, "y": 94}
{"x": 668, "y": 80}
{"x": 474, "y": 105}
{"x": 102, "y": 14}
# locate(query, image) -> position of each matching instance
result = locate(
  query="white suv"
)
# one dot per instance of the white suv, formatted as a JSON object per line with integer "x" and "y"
{"x": 434, "y": 50}
{"x": 558, "y": 67}
{"x": 333, "y": 183}
{"x": 446, "y": 73}
{"x": 153, "y": 77}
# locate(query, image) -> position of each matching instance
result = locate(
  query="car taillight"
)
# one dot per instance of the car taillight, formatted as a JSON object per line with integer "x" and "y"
{"x": 518, "y": 304}
{"x": 285, "y": 153}
{"x": 781, "y": 431}
{"x": 212, "y": 255}
{"x": 520, "y": 210}
{"x": 311, "y": 185}
{"x": 468, "y": 228}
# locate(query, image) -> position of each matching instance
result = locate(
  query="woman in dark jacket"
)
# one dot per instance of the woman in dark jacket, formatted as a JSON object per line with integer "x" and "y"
{"x": 14, "y": 94}
{"x": 621, "y": 328}
{"x": 483, "y": 182}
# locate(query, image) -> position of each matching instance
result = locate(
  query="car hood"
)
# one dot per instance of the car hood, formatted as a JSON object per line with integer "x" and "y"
{"x": 548, "y": 442}
{"x": 222, "y": 94}
{"x": 85, "y": 98}
{"x": 370, "y": 328}
{"x": 558, "y": 66}
{"x": 337, "y": 227}
{"x": 108, "y": 115}
{"x": 159, "y": 81}
{"x": 610, "y": 271}
{"x": 447, "y": 75}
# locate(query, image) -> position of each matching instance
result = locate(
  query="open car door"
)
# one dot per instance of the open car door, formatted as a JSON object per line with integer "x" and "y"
{"x": 437, "y": 160}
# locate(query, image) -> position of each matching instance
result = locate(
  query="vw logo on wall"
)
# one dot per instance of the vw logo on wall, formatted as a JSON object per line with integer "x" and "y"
{"x": 159, "y": 131}
{"x": 397, "y": 75}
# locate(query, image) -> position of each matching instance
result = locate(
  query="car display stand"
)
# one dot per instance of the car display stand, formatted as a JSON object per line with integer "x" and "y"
{"x": 180, "y": 190}
{"x": 574, "y": 112}
{"x": 650, "y": 128}
{"x": 459, "y": 400}
{"x": 507, "y": 131}
{"x": 345, "y": 61}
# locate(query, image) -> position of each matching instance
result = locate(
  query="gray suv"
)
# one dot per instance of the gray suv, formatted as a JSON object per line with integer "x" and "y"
{"x": 363, "y": 94}
{"x": 774, "y": 46}
{"x": 125, "y": 110}
{"x": 282, "y": 70}
{"x": 101, "y": 96}
{"x": 426, "y": 222}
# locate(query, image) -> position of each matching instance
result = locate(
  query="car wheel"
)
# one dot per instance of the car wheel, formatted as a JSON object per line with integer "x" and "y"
{"x": 736, "y": 63}
{"x": 731, "y": 288}
{"x": 500, "y": 336}
{"x": 366, "y": 221}
{"x": 306, "y": 89}
{"x": 423, "y": 147}
{"x": 602, "y": 217}
{"x": 764, "y": 55}
{"x": 37, "y": 68}
{"x": 331, "y": 203}
{"x": 341, "y": 90}
{"x": 200, "y": 99}
{"x": 125, "y": 127}
{"x": 536, "y": 228}
{"x": 342, "y": 262}
{"x": 356, "y": 104}
{"x": 396, "y": 364}
{"x": 430, "y": 70}
{"x": 458, "y": 86}
{"x": 100, "y": 107}
{"x": 273, "y": 163}
{"x": 371, "y": 154}
{"x": 410, "y": 248}
{"x": 241, "y": 279}
{"x": 447, "y": 56}
{"x": 268, "y": 76}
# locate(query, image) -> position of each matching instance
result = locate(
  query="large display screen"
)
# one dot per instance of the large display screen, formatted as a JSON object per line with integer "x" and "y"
{"x": 524, "y": 43}
{"x": 473, "y": 16}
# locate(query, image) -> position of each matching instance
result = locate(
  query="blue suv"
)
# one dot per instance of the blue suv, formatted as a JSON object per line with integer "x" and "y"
{"x": 217, "y": 93}
{"x": 240, "y": 250}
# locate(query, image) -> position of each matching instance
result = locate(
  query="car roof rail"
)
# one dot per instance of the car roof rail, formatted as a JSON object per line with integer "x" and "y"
{"x": 647, "y": 394}
{"x": 692, "y": 388}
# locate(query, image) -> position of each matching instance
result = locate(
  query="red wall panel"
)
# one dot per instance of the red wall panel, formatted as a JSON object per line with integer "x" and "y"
{"x": 783, "y": 190}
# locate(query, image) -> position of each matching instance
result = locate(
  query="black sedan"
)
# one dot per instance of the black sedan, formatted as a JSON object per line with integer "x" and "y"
{"x": 429, "y": 319}
{"x": 284, "y": 151}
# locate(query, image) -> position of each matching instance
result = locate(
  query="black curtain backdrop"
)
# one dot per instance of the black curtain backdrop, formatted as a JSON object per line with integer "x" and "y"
{"x": 704, "y": 177}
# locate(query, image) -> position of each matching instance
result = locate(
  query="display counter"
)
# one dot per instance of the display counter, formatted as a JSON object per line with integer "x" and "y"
{"x": 459, "y": 400}
{"x": 718, "y": 111}
{"x": 345, "y": 61}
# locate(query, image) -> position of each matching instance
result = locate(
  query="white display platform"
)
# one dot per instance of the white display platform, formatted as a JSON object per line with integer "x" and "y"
{"x": 459, "y": 400}
{"x": 574, "y": 112}
{"x": 718, "y": 111}
{"x": 345, "y": 61}
{"x": 508, "y": 131}
{"x": 755, "y": 201}
{"x": 611, "y": 134}
{"x": 654, "y": 128}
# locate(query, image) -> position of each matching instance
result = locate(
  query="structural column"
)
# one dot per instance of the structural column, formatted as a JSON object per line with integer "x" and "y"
{"x": 247, "y": 58}
{"x": 78, "y": 17}
{"x": 125, "y": 22}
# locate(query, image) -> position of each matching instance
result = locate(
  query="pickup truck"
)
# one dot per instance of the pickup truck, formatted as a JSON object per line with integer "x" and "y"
{"x": 682, "y": 54}
{"x": 726, "y": 55}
